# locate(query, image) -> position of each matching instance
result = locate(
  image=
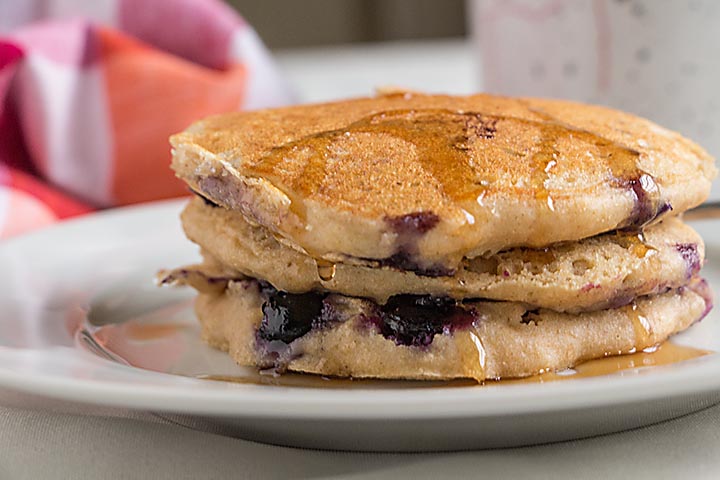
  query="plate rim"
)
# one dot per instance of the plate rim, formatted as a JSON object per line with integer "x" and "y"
{"x": 312, "y": 403}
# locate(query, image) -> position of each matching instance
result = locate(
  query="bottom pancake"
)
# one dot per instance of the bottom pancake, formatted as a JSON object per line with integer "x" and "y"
{"x": 423, "y": 337}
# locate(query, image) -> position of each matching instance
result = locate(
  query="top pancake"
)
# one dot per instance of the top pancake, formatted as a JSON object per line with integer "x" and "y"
{"x": 425, "y": 180}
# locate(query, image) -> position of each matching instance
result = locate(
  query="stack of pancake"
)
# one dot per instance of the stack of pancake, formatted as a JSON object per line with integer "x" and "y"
{"x": 436, "y": 237}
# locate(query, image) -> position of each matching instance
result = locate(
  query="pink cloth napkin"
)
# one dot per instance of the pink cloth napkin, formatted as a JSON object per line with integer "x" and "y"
{"x": 91, "y": 90}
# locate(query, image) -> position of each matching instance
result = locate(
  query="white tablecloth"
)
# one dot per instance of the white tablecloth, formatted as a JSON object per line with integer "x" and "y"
{"x": 48, "y": 439}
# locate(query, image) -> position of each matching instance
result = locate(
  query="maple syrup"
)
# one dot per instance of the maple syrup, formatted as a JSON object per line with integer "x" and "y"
{"x": 641, "y": 325}
{"x": 635, "y": 243}
{"x": 443, "y": 146}
{"x": 666, "y": 353}
{"x": 326, "y": 270}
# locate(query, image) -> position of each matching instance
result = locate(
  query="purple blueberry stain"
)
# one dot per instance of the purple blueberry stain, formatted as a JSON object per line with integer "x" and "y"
{"x": 409, "y": 228}
{"x": 223, "y": 190}
{"x": 589, "y": 286}
{"x": 664, "y": 208}
{"x": 482, "y": 127}
{"x": 691, "y": 256}
{"x": 402, "y": 260}
{"x": 643, "y": 211}
{"x": 620, "y": 299}
{"x": 416, "y": 223}
{"x": 647, "y": 208}
{"x": 206, "y": 200}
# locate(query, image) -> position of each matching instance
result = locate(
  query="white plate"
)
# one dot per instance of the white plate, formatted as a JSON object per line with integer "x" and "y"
{"x": 104, "y": 264}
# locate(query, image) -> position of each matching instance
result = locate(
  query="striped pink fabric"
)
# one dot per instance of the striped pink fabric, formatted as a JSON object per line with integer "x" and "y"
{"x": 90, "y": 91}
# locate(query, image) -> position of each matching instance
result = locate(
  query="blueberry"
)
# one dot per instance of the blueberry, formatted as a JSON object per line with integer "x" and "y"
{"x": 416, "y": 223}
{"x": 287, "y": 316}
{"x": 409, "y": 229}
{"x": 414, "y": 320}
{"x": 403, "y": 260}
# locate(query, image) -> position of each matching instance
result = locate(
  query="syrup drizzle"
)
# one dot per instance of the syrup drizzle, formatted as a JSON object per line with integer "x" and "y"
{"x": 476, "y": 362}
{"x": 544, "y": 160}
{"x": 443, "y": 141}
{"x": 439, "y": 136}
{"x": 664, "y": 354}
{"x": 326, "y": 270}
{"x": 635, "y": 243}
{"x": 641, "y": 326}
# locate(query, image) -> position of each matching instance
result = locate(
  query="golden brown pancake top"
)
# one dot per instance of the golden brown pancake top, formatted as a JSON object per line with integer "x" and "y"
{"x": 558, "y": 170}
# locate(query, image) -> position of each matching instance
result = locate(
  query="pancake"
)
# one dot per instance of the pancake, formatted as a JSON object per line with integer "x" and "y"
{"x": 423, "y": 338}
{"x": 423, "y": 181}
{"x": 592, "y": 274}
{"x": 413, "y": 236}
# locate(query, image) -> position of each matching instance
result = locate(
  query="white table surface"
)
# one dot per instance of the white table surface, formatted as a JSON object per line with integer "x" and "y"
{"x": 47, "y": 439}
{"x": 42, "y": 438}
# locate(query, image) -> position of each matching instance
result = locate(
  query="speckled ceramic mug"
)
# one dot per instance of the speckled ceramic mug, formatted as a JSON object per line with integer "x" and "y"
{"x": 659, "y": 59}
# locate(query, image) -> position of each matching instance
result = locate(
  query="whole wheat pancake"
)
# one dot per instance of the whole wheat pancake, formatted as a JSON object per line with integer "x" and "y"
{"x": 484, "y": 340}
{"x": 423, "y": 181}
{"x": 591, "y": 274}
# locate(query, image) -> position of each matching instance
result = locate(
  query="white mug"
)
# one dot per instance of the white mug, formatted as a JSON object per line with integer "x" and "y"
{"x": 659, "y": 59}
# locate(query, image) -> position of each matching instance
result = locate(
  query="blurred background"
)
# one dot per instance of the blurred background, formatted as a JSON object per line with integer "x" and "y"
{"x": 289, "y": 24}
{"x": 330, "y": 49}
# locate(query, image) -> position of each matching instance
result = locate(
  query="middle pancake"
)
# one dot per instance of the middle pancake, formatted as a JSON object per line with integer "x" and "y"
{"x": 596, "y": 273}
